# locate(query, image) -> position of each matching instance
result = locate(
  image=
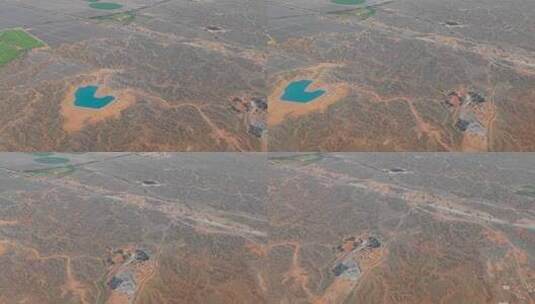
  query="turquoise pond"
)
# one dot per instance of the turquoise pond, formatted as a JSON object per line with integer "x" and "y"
{"x": 85, "y": 97}
{"x": 296, "y": 91}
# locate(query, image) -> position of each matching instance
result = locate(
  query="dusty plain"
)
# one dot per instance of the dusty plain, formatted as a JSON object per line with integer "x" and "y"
{"x": 156, "y": 228}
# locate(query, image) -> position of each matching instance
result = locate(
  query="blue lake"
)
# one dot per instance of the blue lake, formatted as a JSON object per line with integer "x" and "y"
{"x": 85, "y": 97}
{"x": 296, "y": 91}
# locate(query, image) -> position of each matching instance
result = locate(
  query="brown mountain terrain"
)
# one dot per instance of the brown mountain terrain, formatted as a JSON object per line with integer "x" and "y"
{"x": 174, "y": 68}
{"x": 416, "y": 75}
{"x": 394, "y": 228}
{"x": 147, "y": 228}
{"x": 130, "y": 228}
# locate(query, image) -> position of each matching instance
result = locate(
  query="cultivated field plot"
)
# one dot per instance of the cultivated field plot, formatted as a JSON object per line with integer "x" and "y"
{"x": 192, "y": 228}
{"x": 133, "y": 75}
{"x": 13, "y": 43}
{"x": 401, "y": 75}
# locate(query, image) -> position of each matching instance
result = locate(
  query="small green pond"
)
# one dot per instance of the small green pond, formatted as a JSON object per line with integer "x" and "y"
{"x": 105, "y": 5}
{"x": 52, "y": 160}
{"x": 348, "y": 2}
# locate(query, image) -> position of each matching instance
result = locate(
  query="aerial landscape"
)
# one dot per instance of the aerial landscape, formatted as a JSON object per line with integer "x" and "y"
{"x": 130, "y": 228}
{"x": 410, "y": 75}
{"x": 267, "y": 152}
{"x": 401, "y": 228}
{"x": 198, "y": 75}
{"x": 132, "y": 75}
{"x": 118, "y": 228}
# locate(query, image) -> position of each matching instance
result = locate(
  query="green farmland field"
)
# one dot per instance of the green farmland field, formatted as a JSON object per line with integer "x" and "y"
{"x": 14, "y": 43}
